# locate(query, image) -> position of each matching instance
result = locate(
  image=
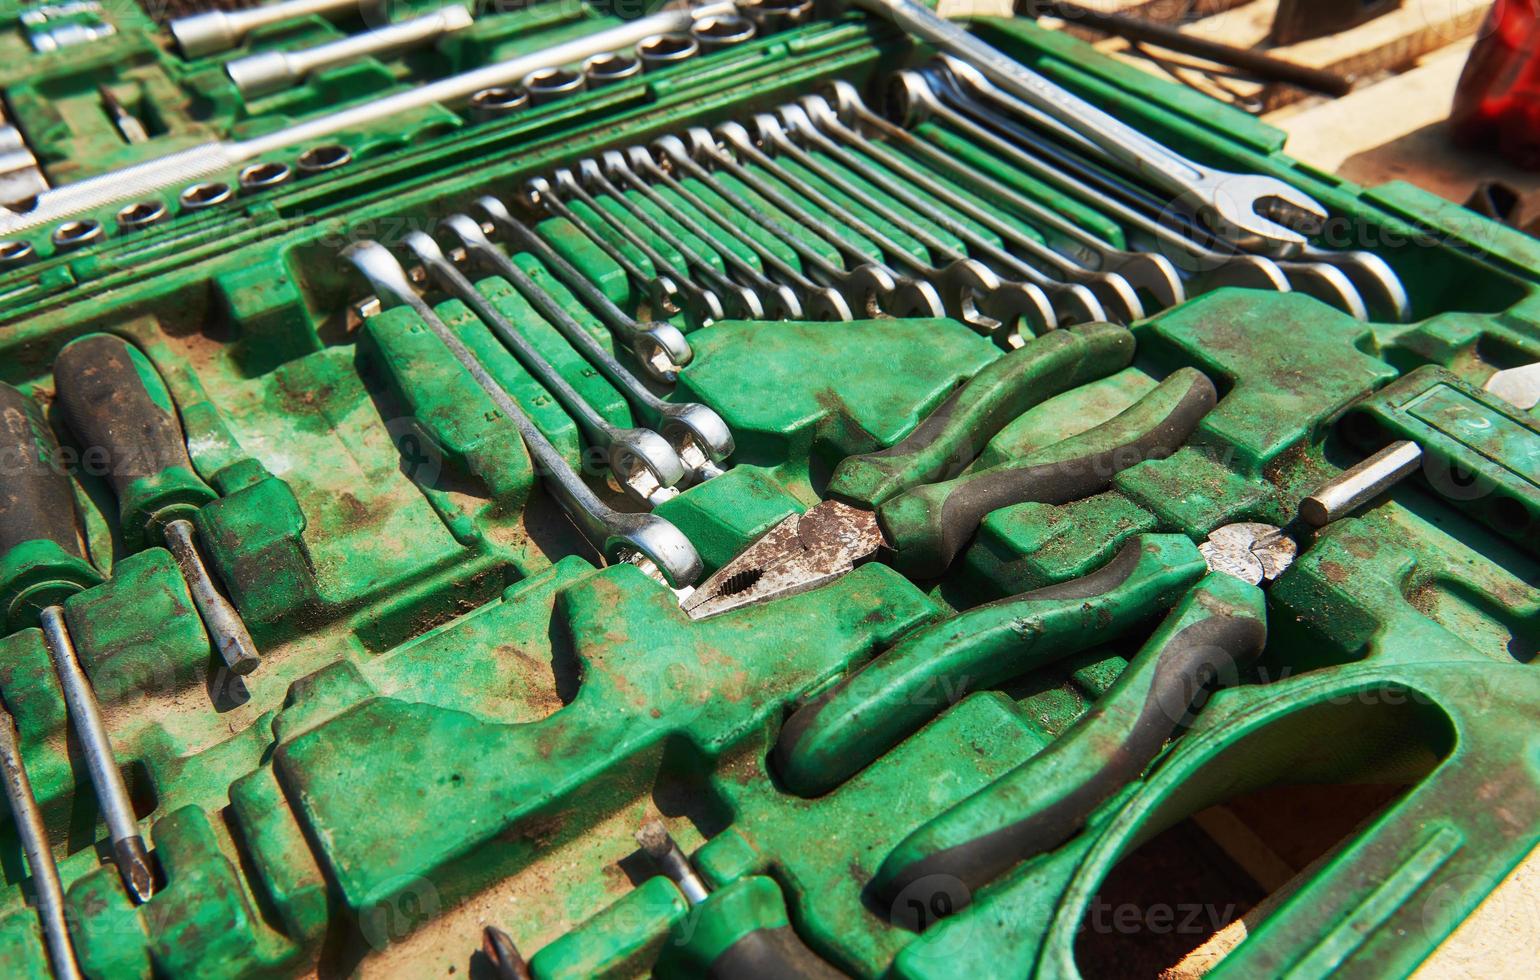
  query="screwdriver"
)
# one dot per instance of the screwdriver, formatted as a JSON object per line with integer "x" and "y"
{"x": 115, "y": 403}
{"x": 34, "y": 841}
{"x": 38, "y": 536}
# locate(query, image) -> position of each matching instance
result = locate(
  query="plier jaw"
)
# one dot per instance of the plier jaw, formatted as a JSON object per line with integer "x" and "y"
{"x": 800, "y": 553}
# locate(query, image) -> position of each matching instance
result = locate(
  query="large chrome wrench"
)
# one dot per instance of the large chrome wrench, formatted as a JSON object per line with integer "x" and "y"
{"x": 818, "y": 302}
{"x": 642, "y": 462}
{"x": 1323, "y": 281}
{"x": 696, "y": 432}
{"x": 864, "y": 286}
{"x": 1362, "y": 274}
{"x": 615, "y": 535}
{"x": 1239, "y": 207}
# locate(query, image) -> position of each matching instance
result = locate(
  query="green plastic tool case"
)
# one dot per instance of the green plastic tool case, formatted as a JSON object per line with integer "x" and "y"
{"x": 463, "y": 713}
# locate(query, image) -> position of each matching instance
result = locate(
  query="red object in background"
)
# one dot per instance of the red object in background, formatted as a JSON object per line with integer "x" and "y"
{"x": 1497, "y": 104}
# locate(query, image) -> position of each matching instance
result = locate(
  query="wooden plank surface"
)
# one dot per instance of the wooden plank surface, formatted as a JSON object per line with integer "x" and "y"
{"x": 1397, "y": 130}
{"x": 1386, "y": 44}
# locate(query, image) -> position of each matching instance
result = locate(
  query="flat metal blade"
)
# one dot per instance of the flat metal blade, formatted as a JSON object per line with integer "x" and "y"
{"x": 800, "y": 553}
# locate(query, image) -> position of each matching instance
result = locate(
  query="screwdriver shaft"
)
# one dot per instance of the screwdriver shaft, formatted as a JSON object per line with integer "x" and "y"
{"x": 111, "y": 792}
{"x": 219, "y": 615}
{"x": 1361, "y": 484}
{"x": 665, "y": 853}
{"x": 34, "y": 841}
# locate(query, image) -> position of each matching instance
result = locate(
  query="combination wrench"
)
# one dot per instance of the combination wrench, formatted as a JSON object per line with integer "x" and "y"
{"x": 1341, "y": 278}
{"x": 970, "y": 291}
{"x": 619, "y": 537}
{"x": 1077, "y": 296}
{"x": 697, "y": 433}
{"x": 918, "y": 97}
{"x": 737, "y": 301}
{"x": 818, "y": 302}
{"x": 906, "y": 296}
{"x": 864, "y": 286}
{"x": 1245, "y": 209}
{"x": 658, "y": 346}
{"x": 781, "y": 301}
{"x": 701, "y": 305}
{"x": 643, "y": 463}
{"x": 660, "y": 293}
{"x": 1150, "y": 274}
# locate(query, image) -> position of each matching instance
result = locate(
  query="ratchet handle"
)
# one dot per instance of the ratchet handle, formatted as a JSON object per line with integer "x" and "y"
{"x": 928, "y": 526}
{"x": 1215, "y": 631}
{"x": 833, "y": 737}
{"x": 41, "y": 560}
{"x": 118, "y": 407}
{"x": 953, "y": 435}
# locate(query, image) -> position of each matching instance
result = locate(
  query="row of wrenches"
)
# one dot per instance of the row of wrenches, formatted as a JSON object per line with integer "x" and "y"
{"x": 962, "y": 242}
{"x": 678, "y": 444}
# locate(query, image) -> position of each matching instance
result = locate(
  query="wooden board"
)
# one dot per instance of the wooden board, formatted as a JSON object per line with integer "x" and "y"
{"x": 1390, "y": 43}
{"x": 1397, "y": 130}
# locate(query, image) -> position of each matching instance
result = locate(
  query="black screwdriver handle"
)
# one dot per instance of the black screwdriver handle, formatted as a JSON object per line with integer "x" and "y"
{"x": 118, "y": 407}
{"x": 771, "y": 954}
{"x": 42, "y": 561}
{"x": 37, "y": 501}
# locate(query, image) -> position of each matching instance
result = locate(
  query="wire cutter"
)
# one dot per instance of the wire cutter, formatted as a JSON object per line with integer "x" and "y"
{"x": 909, "y": 503}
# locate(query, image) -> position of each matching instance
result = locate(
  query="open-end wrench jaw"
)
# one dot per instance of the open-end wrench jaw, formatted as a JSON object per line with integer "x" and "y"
{"x": 1382, "y": 290}
{"x": 1256, "y": 213}
{"x": 1327, "y": 283}
{"x": 828, "y": 304}
{"x": 1021, "y": 309}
